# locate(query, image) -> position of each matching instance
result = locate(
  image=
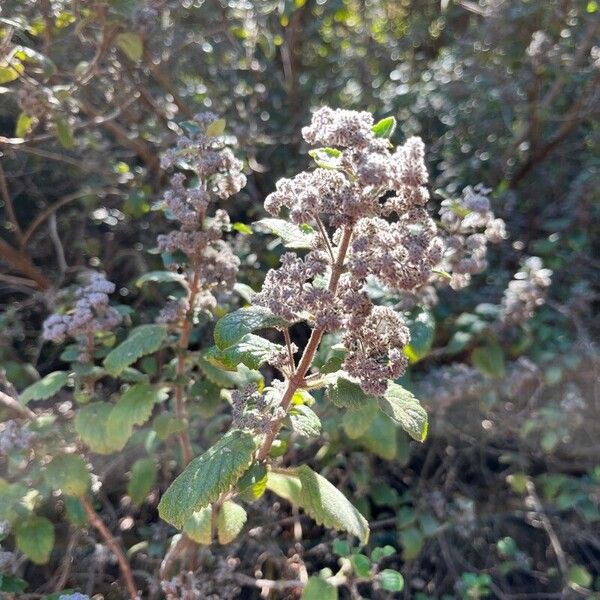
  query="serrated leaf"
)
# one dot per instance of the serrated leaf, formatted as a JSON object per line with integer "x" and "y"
{"x": 231, "y": 328}
{"x": 69, "y": 473}
{"x": 166, "y": 425}
{"x": 227, "y": 379}
{"x": 285, "y": 485}
{"x": 207, "y": 476}
{"x": 142, "y": 340}
{"x": 252, "y": 351}
{"x": 133, "y": 408}
{"x": 328, "y": 506}
{"x": 489, "y": 359}
{"x": 45, "y": 388}
{"x": 404, "y": 409}
{"x": 24, "y": 125}
{"x": 391, "y": 580}
{"x": 230, "y": 521}
{"x": 160, "y": 277}
{"x": 64, "y": 132}
{"x": 326, "y": 158}
{"x": 361, "y": 565}
{"x": 384, "y": 128}
{"x": 422, "y": 331}
{"x": 91, "y": 423}
{"x": 131, "y": 44}
{"x": 304, "y": 421}
{"x": 380, "y": 438}
{"x": 318, "y": 589}
{"x": 253, "y": 483}
{"x": 292, "y": 235}
{"x": 143, "y": 478}
{"x": 356, "y": 421}
{"x": 347, "y": 394}
{"x": 216, "y": 128}
{"x": 35, "y": 538}
{"x": 198, "y": 526}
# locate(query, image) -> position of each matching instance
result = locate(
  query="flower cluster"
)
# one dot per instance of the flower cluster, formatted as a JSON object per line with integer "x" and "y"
{"x": 256, "y": 410}
{"x": 525, "y": 292}
{"x": 469, "y": 225}
{"x": 92, "y": 314}
{"x": 368, "y": 211}
{"x": 14, "y": 436}
{"x": 199, "y": 237}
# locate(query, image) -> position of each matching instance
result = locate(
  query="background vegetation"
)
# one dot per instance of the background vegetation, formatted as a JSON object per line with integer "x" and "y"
{"x": 502, "y": 500}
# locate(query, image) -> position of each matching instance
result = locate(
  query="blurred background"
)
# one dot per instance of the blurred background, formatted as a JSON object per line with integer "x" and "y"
{"x": 503, "y": 498}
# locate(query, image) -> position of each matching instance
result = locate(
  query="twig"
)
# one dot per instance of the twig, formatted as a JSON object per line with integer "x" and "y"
{"x": 112, "y": 543}
{"x": 14, "y": 406}
{"x": 9, "y": 207}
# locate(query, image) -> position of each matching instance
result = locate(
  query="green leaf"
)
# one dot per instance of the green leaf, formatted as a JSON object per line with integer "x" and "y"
{"x": 91, "y": 423}
{"x": 160, "y": 277}
{"x": 198, "y": 526}
{"x": 489, "y": 359}
{"x": 285, "y": 485}
{"x": 252, "y": 350}
{"x": 166, "y": 425}
{"x": 207, "y": 476}
{"x": 64, "y": 132}
{"x": 579, "y": 575}
{"x": 304, "y": 421}
{"x": 231, "y": 328}
{"x": 142, "y": 340}
{"x": 328, "y": 506}
{"x": 391, "y": 580}
{"x": 45, "y": 388}
{"x": 412, "y": 541}
{"x": 384, "y": 128}
{"x": 319, "y": 589}
{"x": 347, "y": 394}
{"x": 133, "y": 408}
{"x": 131, "y": 44}
{"x": 35, "y": 538}
{"x": 326, "y": 158}
{"x": 380, "y": 438}
{"x": 253, "y": 483}
{"x": 292, "y": 235}
{"x": 356, "y": 421}
{"x": 75, "y": 512}
{"x": 143, "y": 478}
{"x": 11, "y": 72}
{"x": 69, "y": 473}
{"x": 230, "y": 521}
{"x": 12, "y": 583}
{"x": 381, "y": 552}
{"x": 227, "y": 379}
{"x": 242, "y": 228}
{"x": 361, "y": 565}
{"x": 24, "y": 125}
{"x": 422, "y": 331}
{"x": 403, "y": 408}
{"x": 216, "y": 128}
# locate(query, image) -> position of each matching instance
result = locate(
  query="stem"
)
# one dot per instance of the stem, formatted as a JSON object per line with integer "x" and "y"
{"x": 97, "y": 522}
{"x": 182, "y": 346}
{"x": 288, "y": 344}
{"x": 297, "y": 380}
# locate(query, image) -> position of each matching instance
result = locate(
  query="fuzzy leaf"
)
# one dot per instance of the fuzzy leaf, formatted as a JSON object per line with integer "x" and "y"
{"x": 131, "y": 44}
{"x": 142, "y": 340}
{"x": 24, "y": 125}
{"x": 207, "y": 476}
{"x": 198, "y": 526}
{"x": 45, "y": 388}
{"x": 230, "y": 521}
{"x": 285, "y": 485}
{"x": 328, "y": 506}
{"x": 252, "y": 350}
{"x": 253, "y": 483}
{"x": 391, "y": 580}
{"x": 35, "y": 538}
{"x": 160, "y": 277}
{"x": 384, "y": 128}
{"x": 489, "y": 359}
{"x": 292, "y": 235}
{"x": 227, "y": 379}
{"x": 216, "y": 128}
{"x": 91, "y": 424}
{"x": 304, "y": 421}
{"x": 347, "y": 394}
{"x": 319, "y": 589}
{"x": 143, "y": 478}
{"x": 230, "y": 329}
{"x": 356, "y": 421}
{"x": 404, "y": 409}
{"x": 68, "y": 472}
{"x": 422, "y": 331}
{"x": 380, "y": 437}
{"x": 166, "y": 425}
{"x": 133, "y": 408}
{"x": 64, "y": 132}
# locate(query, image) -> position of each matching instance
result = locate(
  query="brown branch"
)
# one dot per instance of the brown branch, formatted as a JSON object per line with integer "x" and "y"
{"x": 22, "y": 263}
{"x": 98, "y": 524}
{"x": 9, "y": 207}
{"x": 15, "y": 406}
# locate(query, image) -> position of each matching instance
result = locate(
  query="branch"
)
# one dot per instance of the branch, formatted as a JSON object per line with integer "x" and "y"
{"x": 15, "y": 406}
{"x": 9, "y": 207}
{"x": 22, "y": 263}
